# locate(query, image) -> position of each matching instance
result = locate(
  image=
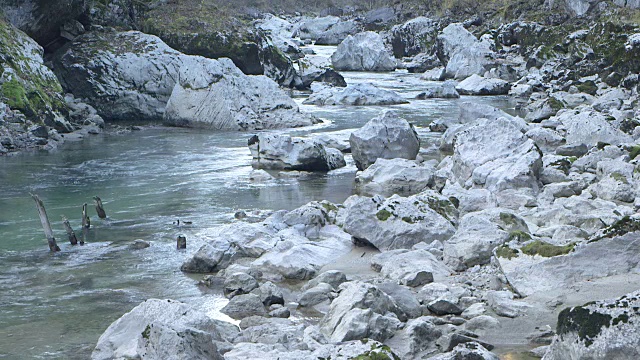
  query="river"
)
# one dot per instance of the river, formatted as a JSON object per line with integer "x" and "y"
{"x": 55, "y": 306}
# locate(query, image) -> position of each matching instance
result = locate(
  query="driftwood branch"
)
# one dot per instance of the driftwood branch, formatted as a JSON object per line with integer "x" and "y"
{"x": 99, "y": 208}
{"x": 72, "y": 235}
{"x": 53, "y": 246}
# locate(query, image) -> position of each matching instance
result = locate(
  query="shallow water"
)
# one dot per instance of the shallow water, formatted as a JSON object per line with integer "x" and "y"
{"x": 57, "y": 305}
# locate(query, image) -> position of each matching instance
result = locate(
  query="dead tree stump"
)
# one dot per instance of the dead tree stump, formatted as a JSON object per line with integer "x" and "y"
{"x": 44, "y": 220}
{"x": 99, "y": 208}
{"x": 182, "y": 242}
{"x": 70, "y": 233}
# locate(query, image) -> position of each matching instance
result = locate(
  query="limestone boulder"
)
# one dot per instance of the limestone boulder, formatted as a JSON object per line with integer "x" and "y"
{"x": 160, "y": 329}
{"x": 356, "y": 95}
{"x": 363, "y": 52}
{"x": 398, "y": 222}
{"x": 462, "y": 53}
{"x": 387, "y": 136}
{"x": 272, "y": 151}
{"x": 478, "y": 85}
{"x": 215, "y": 94}
{"x": 387, "y": 177}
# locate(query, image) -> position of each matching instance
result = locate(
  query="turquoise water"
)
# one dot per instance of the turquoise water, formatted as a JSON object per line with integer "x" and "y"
{"x": 57, "y": 305}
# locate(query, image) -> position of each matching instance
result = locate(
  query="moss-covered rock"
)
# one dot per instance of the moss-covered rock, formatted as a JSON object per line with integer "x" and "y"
{"x": 599, "y": 330}
{"x": 26, "y": 85}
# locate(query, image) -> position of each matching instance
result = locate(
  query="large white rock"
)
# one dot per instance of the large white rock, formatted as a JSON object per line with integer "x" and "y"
{"x": 272, "y": 151}
{"x": 387, "y": 136}
{"x": 363, "y": 52}
{"x": 358, "y": 312}
{"x": 397, "y": 222}
{"x": 216, "y": 94}
{"x": 463, "y": 54}
{"x": 412, "y": 268}
{"x": 534, "y": 274}
{"x": 357, "y": 94}
{"x": 412, "y": 37}
{"x": 160, "y": 329}
{"x": 445, "y": 90}
{"x": 601, "y": 330}
{"x": 586, "y": 126}
{"x": 478, "y": 234}
{"x": 497, "y": 155}
{"x": 338, "y": 32}
{"x": 312, "y": 28}
{"x": 478, "y": 85}
{"x": 395, "y": 176}
{"x": 280, "y": 31}
{"x": 299, "y": 258}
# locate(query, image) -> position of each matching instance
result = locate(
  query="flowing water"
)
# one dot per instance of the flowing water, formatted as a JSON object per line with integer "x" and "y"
{"x": 57, "y": 305}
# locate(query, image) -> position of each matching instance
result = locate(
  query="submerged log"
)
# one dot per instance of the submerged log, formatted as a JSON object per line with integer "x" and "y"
{"x": 53, "y": 246}
{"x": 182, "y": 242}
{"x": 99, "y": 208}
{"x": 72, "y": 235}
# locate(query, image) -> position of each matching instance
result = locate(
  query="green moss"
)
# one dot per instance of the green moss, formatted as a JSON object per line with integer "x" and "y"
{"x": 634, "y": 152}
{"x": 443, "y": 207}
{"x": 555, "y": 104}
{"x": 383, "y": 215}
{"x": 329, "y": 207}
{"x": 588, "y": 87}
{"x": 582, "y": 321}
{"x": 15, "y": 95}
{"x": 623, "y": 226}
{"x": 25, "y": 88}
{"x": 510, "y": 221}
{"x": 619, "y": 177}
{"x": 519, "y": 236}
{"x": 506, "y": 252}
{"x": 377, "y": 352}
{"x": 546, "y": 250}
{"x": 147, "y": 332}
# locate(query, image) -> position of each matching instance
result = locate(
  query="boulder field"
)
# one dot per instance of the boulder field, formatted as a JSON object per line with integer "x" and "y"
{"x": 500, "y": 229}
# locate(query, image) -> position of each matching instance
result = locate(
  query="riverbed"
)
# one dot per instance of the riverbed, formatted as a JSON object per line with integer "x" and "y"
{"x": 57, "y": 305}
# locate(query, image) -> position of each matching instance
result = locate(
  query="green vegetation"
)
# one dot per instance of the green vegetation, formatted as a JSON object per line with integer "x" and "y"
{"x": 15, "y": 95}
{"x": 634, "y": 152}
{"x": 506, "y": 252}
{"x": 147, "y": 332}
{"x": 519, "y": 236}
{"x": 383, "y": 215}
{"x": 555, "y": 104}
{"x": 377, "y": 352}
{"x": 619, "y": 177}
{"x": 623, "y": 226}
{"x": 546, "y": 250}
{"x": 588, "y": 87}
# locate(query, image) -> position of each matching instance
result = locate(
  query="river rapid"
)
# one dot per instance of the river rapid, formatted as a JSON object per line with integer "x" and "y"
{"x": 57, "y": 305}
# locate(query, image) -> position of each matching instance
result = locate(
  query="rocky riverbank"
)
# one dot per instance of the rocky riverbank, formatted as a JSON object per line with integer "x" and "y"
{"x": 508, "y": 234}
